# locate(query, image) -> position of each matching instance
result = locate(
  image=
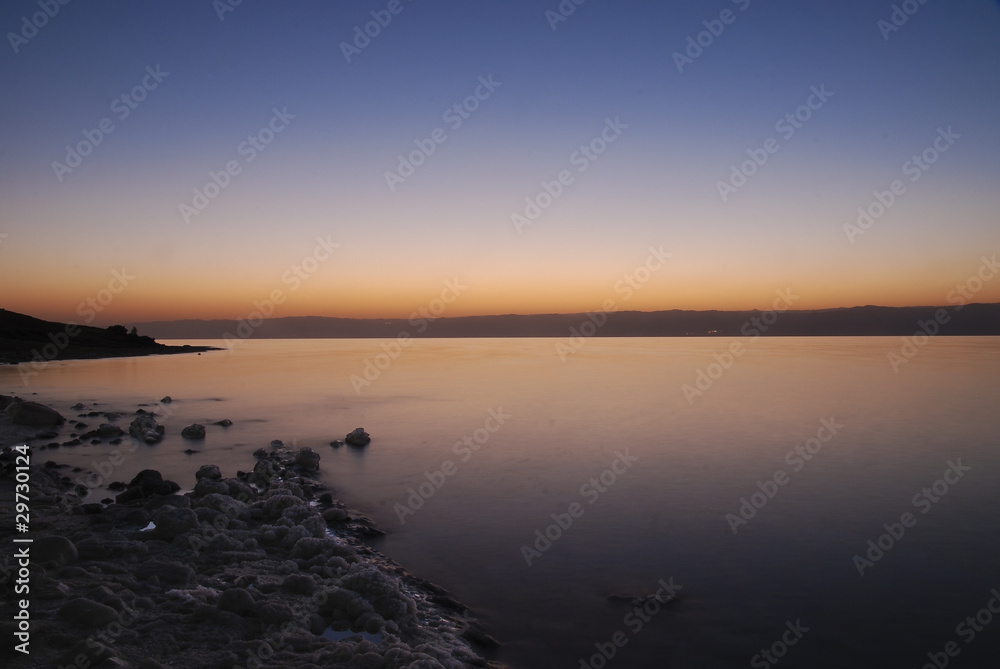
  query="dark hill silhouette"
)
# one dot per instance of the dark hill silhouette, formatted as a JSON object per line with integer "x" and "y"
{"x": 972, "y": 319}
{"x": 23, "y": 339}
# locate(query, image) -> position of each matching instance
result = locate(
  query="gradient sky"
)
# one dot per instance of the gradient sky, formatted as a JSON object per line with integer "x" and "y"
{"x": 323, "y": 176}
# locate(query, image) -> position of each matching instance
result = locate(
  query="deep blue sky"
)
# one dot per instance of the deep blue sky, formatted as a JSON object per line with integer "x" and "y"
{"x": 656, "y": 185}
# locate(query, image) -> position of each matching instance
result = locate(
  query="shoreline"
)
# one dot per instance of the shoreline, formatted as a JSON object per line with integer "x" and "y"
{"x": 250, "y": 569}
{"x": 34, "y": 356}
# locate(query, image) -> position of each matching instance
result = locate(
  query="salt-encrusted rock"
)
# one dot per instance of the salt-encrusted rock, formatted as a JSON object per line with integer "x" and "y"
{"x": 307, "y": 459}
{"x": 193, "y": 431}
{"x": 309, "y": 547}
{"x": 263, "y": 472}
{"x": 238, "y": 601}
{"x": 301, "y": 584}
{"x": 171, "y": 522}
{"x": 207, "y": 486}
{"x": 334, "y": 515}
{"x": 146, "y": 428}
{"x": 314, "y": 525}
{"x": 109, "y": 431}
{"x": 233, "y": 508}
{"x": 55, "y": 550}
{"x": 357, "y": 437}
{"x": 275, "y": 505}
{"x": 86, "y": 613}
{"x": 208, "y": 471}
{"x": 239, "y": 490}
{"x": 381, "y": 591}
{"x": 153, "y": 504}
{"x": 151, "y": 482}
{"x": 276, "y": 614}
{"x": 146, "y": 483}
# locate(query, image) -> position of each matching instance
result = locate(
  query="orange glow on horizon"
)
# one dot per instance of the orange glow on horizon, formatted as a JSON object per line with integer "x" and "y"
{"x": 166, "y": 306}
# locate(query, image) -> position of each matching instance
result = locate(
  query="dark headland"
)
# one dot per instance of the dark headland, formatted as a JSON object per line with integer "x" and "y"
{"x": 27, "y": 339}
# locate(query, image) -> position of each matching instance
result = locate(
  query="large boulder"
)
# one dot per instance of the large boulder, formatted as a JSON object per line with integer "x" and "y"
{"x": 307, "y": 459}
{"x": 109, "y": 430}
{"x": 146, "y": 483}
{"x": 54, "y": 549}
{"x": 33, "y": 414}
{"x": 238, "y": 601}
{"x": 171, "y": 522}
{"x": 208, "y": 471}
{"x": 357, "y": 437}
{"x": 146, "y": 428}
{"x": 193, "y": 431}
{"x": 207, "y": 486}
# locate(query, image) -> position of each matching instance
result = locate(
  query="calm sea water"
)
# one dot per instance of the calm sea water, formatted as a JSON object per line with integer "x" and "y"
{"x": 661, "y": 518}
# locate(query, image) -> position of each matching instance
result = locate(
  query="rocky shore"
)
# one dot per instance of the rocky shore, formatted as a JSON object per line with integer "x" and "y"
{"x": 262, "y": 568}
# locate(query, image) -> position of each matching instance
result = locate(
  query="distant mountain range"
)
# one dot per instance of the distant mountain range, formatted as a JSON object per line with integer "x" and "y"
{"x": 969, "y": 319}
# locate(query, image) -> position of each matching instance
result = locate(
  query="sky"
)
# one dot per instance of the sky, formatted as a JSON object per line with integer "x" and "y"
{"x": 199, "y": 159}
